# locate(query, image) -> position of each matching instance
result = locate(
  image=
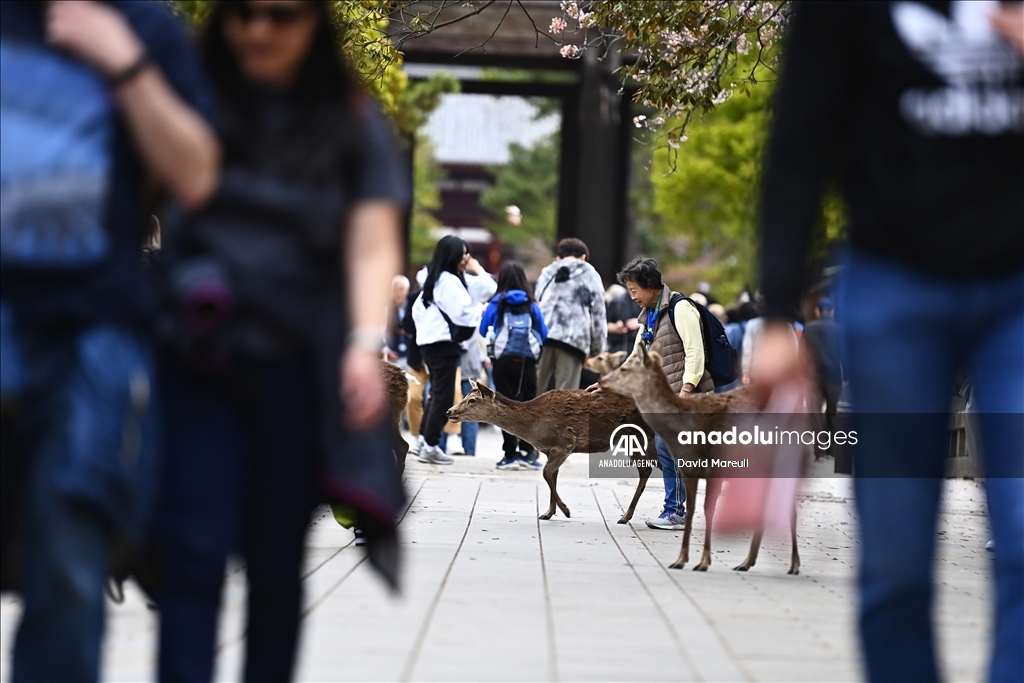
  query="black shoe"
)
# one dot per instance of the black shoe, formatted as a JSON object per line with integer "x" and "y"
{"x": 360, "y": 535}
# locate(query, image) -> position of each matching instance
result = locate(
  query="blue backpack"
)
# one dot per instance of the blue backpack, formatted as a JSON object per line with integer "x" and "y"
{"x": 517, "y": 338}
{"x": 56, "y": 138}
{"x": 719, "y": 354}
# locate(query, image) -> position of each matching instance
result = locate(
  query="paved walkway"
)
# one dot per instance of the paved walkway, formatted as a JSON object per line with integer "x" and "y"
{"x": 491, "y": 593}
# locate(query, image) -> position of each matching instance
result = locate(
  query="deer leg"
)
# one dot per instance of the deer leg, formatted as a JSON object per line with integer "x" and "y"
{"x": 555, "y": 460}
{"x": 690, "y": 484}
{"x": 794, "y": 563}
{"x": 755, "y": 546}
{"x": 645, "y": 474}
{"x": 714, "y": 486}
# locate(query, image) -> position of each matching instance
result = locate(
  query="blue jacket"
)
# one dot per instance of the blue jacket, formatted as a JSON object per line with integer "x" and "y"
{"x": 512, "y": 297}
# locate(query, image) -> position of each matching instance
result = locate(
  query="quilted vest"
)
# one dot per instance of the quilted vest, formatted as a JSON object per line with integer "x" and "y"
{"x": 673, "y": 356}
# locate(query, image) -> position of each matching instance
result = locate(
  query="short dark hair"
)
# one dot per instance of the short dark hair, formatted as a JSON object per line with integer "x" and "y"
{"x": 572, "y": 246}
{"x": 643, "y": 271}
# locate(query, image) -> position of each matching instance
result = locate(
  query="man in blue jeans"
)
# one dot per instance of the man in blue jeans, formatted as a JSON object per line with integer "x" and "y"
{"x": 929, "y": 155}
{"x": 96, "y": 100}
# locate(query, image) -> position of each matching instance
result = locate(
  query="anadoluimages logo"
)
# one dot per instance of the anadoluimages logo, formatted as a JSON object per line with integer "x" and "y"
{"x": 629, "y": 440}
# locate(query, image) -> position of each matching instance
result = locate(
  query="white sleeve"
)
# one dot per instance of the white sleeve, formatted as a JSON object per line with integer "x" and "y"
{"x": 481, "y": 287}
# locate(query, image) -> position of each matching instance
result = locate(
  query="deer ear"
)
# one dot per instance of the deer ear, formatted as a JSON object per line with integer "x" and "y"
{"x": 484, "y": 390}
{"x": 656, "y": 347}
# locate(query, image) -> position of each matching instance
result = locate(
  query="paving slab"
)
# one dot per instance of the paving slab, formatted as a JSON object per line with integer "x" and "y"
{"x": 491, "y": 593}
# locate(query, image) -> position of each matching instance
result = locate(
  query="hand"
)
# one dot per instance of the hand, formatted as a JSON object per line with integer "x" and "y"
{"x": 776, "y": 356}
{"x": 474, "y": 267}
{"x": 687, "y": 389}
{"x": 617, "y": 327}
{"x": 632, "y": 325}
{"x": 1008, "y": 21}
{"x": 594, "y": 388}
{"x": 94, "y": 33}
{"x": 362, "y": 389}
{"x": 392, "y": 355}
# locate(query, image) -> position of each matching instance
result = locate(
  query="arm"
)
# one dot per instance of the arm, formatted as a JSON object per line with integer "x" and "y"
{"x": 489, "y": 318}
{"x": 371, "y": 260}
{"x": 812, "y": 111}
{"x": 598, "y": 316}
{"x": 688, "y": 327}
{"x": 176, "y": 144}
{"x": 542, "y": 326}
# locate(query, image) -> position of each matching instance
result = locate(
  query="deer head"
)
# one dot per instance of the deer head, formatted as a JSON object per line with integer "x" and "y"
{"x": 604, "y": 362}
{"x": 476, "y": 406}
{"x": 634, "y": 376}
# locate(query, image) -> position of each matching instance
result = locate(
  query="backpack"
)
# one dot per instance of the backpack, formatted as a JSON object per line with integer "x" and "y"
{"x": 719, "y": 355}
{"x": 517, "y": 338}
{"x": 56, "y": 136}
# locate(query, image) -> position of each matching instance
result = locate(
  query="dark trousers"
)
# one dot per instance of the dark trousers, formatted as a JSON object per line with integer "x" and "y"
{"x": 238, "y": 476}
{"x": 442, "y": 371}
{"x": 515, "y": 378}
{"x": 830, "y": 393}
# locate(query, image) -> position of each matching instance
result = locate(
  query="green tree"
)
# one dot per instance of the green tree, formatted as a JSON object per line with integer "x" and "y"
{"x": 530, "y": 181}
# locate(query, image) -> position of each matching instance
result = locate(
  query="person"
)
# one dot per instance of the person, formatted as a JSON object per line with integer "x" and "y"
{"x": 682, "y": 349}
{"x": 572, "y": 300}
{"x": 622, "y": 318}
{"x": 515, "y": 366}
{"x": 98, "y": 102}
{"x": 446, "y": 313}
{"x": 471, "y": 367}
{"x": 396, "y": 347}
{"x": 822, "y": 338}
{"x": 914, "y": 108}
{"x": 271, "y": 379}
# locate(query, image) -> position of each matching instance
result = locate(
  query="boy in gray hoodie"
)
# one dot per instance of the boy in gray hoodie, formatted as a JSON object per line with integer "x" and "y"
{"x": 571, "y": 297}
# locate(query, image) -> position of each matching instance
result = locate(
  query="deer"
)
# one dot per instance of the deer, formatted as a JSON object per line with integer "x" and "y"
{"x": 643, "y": 379}
{"x": 559, "y": 423}
{"x": 396, "y": 384}
{"x": 604, "y": 362}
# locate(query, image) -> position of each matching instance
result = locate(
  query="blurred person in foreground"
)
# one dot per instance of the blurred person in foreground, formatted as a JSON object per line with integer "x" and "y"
{"x": 396, "y": 346}
{"x": 100, "y": 104}
{"x": 271, "y": 367}
{"x": 917, "y": 109}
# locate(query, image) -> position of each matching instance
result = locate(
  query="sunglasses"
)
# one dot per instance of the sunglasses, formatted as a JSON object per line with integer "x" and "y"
{"x": 278, "y": 15}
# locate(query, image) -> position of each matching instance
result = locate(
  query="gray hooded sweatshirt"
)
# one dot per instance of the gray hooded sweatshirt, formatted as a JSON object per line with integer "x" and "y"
{"x": 571, "y": 297}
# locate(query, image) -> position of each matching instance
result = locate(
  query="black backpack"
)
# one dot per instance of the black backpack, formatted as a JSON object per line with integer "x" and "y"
{"x": 719, "y": 355}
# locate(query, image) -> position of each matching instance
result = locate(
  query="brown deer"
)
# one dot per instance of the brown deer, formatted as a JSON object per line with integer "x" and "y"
{"x": 559, "y": 423}
{"x": 642, "y": 378}
{"x": 604, "y": 362}
{"x": 396, "y": 383}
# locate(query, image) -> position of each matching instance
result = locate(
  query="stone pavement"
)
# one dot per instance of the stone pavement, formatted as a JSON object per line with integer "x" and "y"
{"x": 492, "y": 594}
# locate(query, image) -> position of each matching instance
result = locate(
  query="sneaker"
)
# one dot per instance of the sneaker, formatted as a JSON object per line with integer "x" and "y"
{"x": 531, "y": 462}
{"x": 417, "y": 447}
{"x": 508, "y": 463}
{"x": 360, "y": 535}
{"x": 434, "y": 456}
{"x": 669, "y": 521}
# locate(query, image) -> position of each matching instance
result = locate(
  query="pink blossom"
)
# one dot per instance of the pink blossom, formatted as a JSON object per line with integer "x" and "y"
{"x": 569, "y": 51}
{"x": 557, "y": 25}
{"x": 571, "y": 8}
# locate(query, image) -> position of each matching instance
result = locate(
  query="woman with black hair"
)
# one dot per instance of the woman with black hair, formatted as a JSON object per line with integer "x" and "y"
{"x": 446, "y": 313}
{"x": 271, "y": 372}
{"x": 516, "y": 322}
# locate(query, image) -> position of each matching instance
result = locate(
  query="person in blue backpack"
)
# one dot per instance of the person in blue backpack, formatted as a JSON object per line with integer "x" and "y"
{"x": 514, "y": 327}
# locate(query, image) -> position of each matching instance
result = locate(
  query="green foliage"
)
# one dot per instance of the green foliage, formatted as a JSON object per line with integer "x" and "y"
{"x": 530, "y": 181}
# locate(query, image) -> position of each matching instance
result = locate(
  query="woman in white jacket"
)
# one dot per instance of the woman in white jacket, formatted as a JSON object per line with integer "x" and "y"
{"x": 446, "y": 312}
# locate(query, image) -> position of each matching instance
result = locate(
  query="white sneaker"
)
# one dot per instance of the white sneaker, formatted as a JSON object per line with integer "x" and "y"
{"x": 434, "y": 456}
{"x": 417, "y": 447}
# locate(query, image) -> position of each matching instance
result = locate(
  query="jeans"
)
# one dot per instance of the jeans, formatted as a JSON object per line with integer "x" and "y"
{"x": 675, "y": 492}
{"x": 907, "y": 334}
{"x": 85, "y": 442}
{"x": 238, "y": 477}
{"x": 468, "y": 431}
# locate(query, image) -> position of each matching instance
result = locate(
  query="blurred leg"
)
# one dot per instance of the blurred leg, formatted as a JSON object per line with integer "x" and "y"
{"x": 997, "y": 368}
{"x": 279, "y": 500}
{"x": 901, "y": 334}
{"x": 197, "y": 521}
